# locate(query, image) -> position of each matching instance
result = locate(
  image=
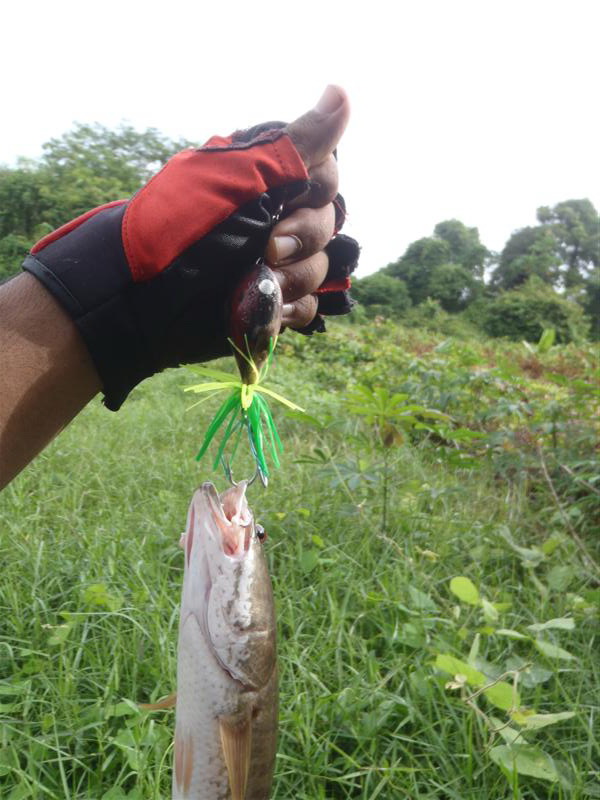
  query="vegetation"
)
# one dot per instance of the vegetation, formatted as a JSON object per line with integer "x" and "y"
{"x": 525, "y": 312}
{"x": 432, "y": 534}
{"x": 431, "y": 541}
{"x": 455, "y": 270}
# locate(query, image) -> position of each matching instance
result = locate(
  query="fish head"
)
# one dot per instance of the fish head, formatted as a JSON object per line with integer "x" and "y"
{"x": 227, "y": 584}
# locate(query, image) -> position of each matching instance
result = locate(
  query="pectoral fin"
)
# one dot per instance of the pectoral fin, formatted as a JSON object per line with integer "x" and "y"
{"x": 166, "y": 702}
{"x": 236, "y": 740}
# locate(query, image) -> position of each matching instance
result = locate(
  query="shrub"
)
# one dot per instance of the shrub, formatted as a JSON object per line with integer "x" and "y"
{"x": 524, "y": 313}
{"x": 382, "y": 294}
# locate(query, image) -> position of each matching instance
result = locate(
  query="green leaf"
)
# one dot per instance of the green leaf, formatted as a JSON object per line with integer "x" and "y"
{"x": 510, "y": 735}
{"x": 59, "y": 634}
{"x": 98, "y": 594}
{"x": 20, "y": 792}
{"x": 126, "y": 741}
{"x": 551, "y": 544}
{"x": 546, "y": 340}
{"x": 503, "y": 695}
{"x": 530, "y": 677}
{"x": 489, "y": 611}
{"x": 461, "y": 434}
{"x": 560, "y": 623}
{"x": 526, "y": 759}
{"x": 309, "y": 560}
{"x": 510, "y": 633}
{"x": 18, "y": 687}
{"x": 454, "y": 666}
{"x": 114, "y": 794}
{"x": 420, "y": 600}
{"x": 530, "y": 556}
{"x": 474, "y": 651}
{"x": 560, "y": 577}
{"x": 465, "y": 590}
{"x": 123, "y": 709}
{"x": 500, "y": 694}
{"x": 532, "y": 720}
{"x": 553, "y": 651}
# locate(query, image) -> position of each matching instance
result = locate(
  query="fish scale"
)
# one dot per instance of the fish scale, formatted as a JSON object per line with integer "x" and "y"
{"x": 226, "y": 713}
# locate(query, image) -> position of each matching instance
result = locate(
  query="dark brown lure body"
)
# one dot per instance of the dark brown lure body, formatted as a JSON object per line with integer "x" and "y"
{"x": 255, "y": 319}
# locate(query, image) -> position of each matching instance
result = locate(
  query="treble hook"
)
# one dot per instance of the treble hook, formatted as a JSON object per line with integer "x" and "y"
{"x": 258, "y": 473}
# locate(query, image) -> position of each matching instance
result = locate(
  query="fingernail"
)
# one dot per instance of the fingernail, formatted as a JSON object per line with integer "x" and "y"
{"x": 330, "y": 101}
{"x": 285, "y": 247}
{"x": 287, "y": 309}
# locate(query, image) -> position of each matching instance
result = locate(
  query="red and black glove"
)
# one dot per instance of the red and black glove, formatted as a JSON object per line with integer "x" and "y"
{"x": 146, "y": 281}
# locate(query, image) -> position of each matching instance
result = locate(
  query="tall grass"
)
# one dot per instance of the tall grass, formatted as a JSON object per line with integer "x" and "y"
{"x": 91, "y": 575}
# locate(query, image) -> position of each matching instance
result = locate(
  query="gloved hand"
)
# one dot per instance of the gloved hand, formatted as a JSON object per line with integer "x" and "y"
{"x": 146, "y": 281}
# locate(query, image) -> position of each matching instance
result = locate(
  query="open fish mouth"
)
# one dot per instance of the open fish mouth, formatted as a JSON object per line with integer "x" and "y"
{"x": 232, "y": 517}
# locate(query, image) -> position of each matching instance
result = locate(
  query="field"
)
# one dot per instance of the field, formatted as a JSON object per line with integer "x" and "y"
{"x": 433, "y": 544}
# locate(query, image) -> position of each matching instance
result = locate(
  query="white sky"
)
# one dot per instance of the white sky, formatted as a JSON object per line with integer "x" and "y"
{"x": 479, "y": 111}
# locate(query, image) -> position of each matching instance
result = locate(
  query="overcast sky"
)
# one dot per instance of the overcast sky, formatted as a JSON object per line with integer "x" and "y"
{"x": 479, "y": 111}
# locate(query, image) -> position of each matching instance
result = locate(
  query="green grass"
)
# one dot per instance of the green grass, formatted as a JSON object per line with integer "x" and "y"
{"x": 91, "y": 576}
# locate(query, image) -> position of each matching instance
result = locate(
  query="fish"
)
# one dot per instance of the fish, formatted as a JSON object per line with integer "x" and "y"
{"x": 227, "y": 693}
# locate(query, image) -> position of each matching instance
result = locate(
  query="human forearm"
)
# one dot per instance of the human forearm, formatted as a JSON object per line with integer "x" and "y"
{"x": 46, "y": 374}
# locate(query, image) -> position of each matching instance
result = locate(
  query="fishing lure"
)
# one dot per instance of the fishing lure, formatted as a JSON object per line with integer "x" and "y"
{"x": 254, "y": 320}
{"x": 245, "y": 409}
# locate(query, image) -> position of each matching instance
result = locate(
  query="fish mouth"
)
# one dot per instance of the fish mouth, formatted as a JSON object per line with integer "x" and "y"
{"x": 232, "y": 517}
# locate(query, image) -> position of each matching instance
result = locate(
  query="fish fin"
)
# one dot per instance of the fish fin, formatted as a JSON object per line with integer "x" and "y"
{"x": 188, "y": 763}
{"x": 166, "y": 702}
{"x": 178, "y": 758}
{"x": 236, "y": 740}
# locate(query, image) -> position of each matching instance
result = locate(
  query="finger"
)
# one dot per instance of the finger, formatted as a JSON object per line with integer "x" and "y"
{"x": 301, "y": 235}
{"x": 322, "y": 187}
{"x": 300, "y": 313}
{"x": 302, "y": 277}
{"x": 316, "y": 133}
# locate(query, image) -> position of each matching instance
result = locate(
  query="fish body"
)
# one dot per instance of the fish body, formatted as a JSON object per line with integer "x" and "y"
{"x": 226, "y": 712}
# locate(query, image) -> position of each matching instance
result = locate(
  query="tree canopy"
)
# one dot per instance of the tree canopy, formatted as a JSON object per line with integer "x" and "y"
{"x": 562, "y": 250}
{"x": 447, "y": 266}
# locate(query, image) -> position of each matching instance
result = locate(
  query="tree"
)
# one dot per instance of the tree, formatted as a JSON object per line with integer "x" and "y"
{"x": 453, "y": 285}
{"x": 529, "y": 251}
{"x": 417, "y": 265}
{"x": 562, "y": 250}
{"x": 382, "y": 294}
{"x": 591, "y": 302}
{"x": 447, "y": 266}
{"x": 575, "y": 226}
{"x": 466, "y": 250}
{"x": 21, "y": 199}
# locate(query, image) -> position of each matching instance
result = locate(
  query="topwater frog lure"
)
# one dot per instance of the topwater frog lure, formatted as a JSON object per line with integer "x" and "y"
{"x": 255, "y": 319}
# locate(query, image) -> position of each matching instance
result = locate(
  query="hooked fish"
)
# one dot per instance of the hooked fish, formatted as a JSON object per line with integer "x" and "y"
{"x": 227, "y": 705}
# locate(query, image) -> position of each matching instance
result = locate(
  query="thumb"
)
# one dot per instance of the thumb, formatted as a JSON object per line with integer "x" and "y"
{"x": 316, "y": 133}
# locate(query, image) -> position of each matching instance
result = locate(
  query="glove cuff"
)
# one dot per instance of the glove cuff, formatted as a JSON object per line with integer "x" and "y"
{"x": 87, "y": 273}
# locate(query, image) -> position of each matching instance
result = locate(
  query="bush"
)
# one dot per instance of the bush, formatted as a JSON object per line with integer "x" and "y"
{"x": 382, "y": 294}
{"x": 524, "y": 313}
{"x": 13, "y": 249}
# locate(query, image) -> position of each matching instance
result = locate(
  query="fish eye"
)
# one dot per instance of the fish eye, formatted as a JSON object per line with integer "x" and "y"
{"x": 260, "y": 532}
